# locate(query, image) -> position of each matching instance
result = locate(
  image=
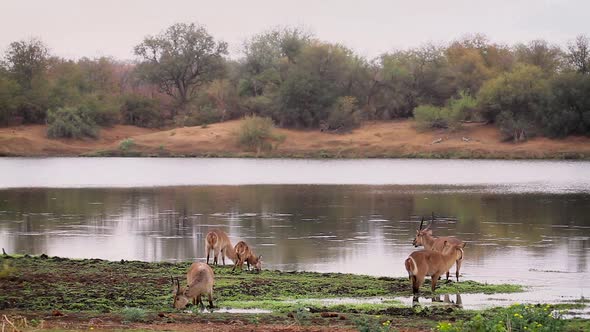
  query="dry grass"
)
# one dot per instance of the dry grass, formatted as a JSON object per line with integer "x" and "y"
{"x": 376, "y": 139}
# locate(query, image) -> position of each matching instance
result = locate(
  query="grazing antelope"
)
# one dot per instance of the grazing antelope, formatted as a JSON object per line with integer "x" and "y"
{"x": 245, "y": 254}
{"x": 425, "y": 238}
{"x": 432, "y": 263}
{"x": 200, "y": 280}
{"x": 219, "y": 242}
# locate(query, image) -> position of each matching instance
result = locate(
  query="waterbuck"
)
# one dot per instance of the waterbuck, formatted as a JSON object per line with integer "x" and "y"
{"x": 219, "y": 242}
{"x": 425, "y": 238}
{"x": 200, "y": 280}
{"x": 245, "y": 254}
{"x": 432, "y": 263}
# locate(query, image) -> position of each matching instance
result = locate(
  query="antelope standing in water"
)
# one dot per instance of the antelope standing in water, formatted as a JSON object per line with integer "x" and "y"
{"x": 425, "y": 238}
{"x": 432, "y": 263}
{"x": 219, "y": 242}
{"x": 199, "y": 280}
{"x": 245, "y": 254}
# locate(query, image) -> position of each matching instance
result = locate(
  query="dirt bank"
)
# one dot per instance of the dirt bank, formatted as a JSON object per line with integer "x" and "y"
{"x": 373, "y": 140}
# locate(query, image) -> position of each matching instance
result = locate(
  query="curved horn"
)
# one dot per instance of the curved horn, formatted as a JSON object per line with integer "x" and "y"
{"x": 177, "y": 285}
{"x": 421, "y": 224}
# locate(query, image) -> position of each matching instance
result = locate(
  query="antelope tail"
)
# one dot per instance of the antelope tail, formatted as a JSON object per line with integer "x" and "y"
{"x": 411, "y": 266}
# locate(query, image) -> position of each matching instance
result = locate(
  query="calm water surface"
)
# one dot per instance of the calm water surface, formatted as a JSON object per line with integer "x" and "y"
{"x": 525, "y": 222}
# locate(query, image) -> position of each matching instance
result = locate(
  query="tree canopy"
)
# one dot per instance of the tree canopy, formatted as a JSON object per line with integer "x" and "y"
{"x": 181, "y": 59}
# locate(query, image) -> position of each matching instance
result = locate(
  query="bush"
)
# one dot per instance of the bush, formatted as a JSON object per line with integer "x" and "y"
{"x": 569, "y": 109}
{"x": 103, "y": 110}
{"x": 429, "y": 116}
{"x": 514, "y": 100}
{"x": 126, "y": 144}
{"x": 514, "y": 127}
{"x": 198, "y": 116}
{"x": 71, "y": 122}
{"x": 518, "y": 317}
{"x": 134, "y": 314}
{"x": 344, "y": 115}
{"x": 464, "y": 107}
{"x": 140, "y": 111}
{"x": 256, "y": 133}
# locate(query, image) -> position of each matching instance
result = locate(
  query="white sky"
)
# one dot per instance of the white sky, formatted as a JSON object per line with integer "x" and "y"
{"x": 76, "y": 28}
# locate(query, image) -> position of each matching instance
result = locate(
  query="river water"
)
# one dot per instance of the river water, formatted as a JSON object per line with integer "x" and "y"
{"x": 525, "y": 222}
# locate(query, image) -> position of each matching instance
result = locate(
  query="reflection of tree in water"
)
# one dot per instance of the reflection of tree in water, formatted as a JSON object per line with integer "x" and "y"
{"x": 296, "y": 225}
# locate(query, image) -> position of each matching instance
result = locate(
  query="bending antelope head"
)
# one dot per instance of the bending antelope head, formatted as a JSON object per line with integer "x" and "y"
{"x": 421, "y": 233}
{"x": 180, "y": 299}
{"x": 258, "y": 263}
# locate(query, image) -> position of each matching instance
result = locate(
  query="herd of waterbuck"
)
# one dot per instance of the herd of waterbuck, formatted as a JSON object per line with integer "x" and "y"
{"x": 437, "y": 257}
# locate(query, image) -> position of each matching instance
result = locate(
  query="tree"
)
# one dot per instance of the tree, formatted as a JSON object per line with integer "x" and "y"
{"x": 268, "y": 56}
{"x": 318, "y": 76}
{"x": 578, "y": 54}
{"x": 569, "y": 110}
{"x": 515, "y": 100}
{"x": 180, "y": 60}
{"x": 541, "y": 54}
{"x": 8, "y": 102}
{"x": 27, "y": 60}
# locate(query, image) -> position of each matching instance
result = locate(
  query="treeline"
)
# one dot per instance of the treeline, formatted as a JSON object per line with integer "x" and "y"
{"x": 184, "y": 77}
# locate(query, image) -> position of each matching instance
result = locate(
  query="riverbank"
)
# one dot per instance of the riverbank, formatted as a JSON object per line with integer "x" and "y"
{"x": 58, "y": 293}
{"x": 391, "y": 139}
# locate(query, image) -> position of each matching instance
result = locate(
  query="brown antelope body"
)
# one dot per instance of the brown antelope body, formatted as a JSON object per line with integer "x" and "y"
{"x": 245, "y": 254}
{"x": 218, "y": 242}
{"x": 425, "y": 238}
{"x": 199, "y": 280}
{"x": 432, "y": 263}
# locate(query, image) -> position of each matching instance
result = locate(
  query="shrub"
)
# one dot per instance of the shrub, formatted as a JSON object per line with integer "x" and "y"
{"x": 126, "y": 144}
{"x": 514, "y": 100}
{"x": 569, "y": 108}
{"x": 198, "y": 116}
{"x": 256, "y": 133}
{"x": 104, "y": 110}
{"x": 134, "y": 314}
{"x": 71, "y": 122}
{"x": 514, "y": 127}
{"x": 518, "y": 317}
{"x": 344, "y": 115}
{"x": 429, "y": 116}
{"x": 140, "y": 111}
{"x": 463, "y": 107}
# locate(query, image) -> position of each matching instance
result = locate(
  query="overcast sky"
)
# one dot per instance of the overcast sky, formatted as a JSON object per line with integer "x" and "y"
{"x": 76, "y": 28}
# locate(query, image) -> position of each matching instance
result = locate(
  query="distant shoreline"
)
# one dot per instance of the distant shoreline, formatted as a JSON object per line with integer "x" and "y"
{"x": 387, "y": 139}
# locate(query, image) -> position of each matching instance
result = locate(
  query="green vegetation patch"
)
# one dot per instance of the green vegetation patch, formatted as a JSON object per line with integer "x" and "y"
{"x": 44, "y": 283}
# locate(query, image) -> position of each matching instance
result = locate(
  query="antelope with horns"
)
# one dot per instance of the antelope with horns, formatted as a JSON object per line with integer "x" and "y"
{"x": 245, "y": 254}
{"x": 219, "y": 242}
{"x": 425, "y": 238}
{"x": 432, "y": 263}
{"x": 199, "y": 280}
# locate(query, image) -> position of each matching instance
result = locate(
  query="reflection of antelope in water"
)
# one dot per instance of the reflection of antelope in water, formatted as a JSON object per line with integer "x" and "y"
{"x": 199, "y": 280}
{"x": 432, "y": 263}
{"x": 446, "y": 298}
{"x": 425, "y": 238}
{"x": 219, "y": 242}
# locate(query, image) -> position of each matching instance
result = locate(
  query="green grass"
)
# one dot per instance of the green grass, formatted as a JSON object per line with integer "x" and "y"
{"x": 44, "y": 283}
{"x": 132, "y": 291}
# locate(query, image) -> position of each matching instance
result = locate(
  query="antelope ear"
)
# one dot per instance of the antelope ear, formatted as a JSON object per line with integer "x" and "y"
{"x": 260, "y": 257}
{"x": 464, "y": 244}
{"x": 445, "y": 244}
